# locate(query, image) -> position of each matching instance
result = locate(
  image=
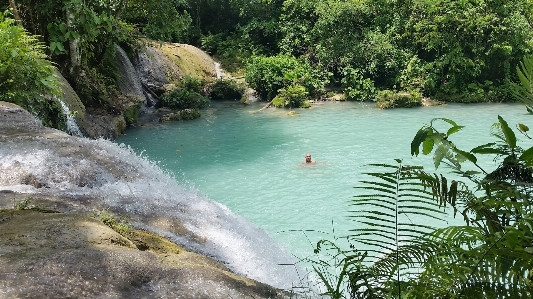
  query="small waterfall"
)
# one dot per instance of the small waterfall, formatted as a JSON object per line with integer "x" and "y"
{"x": 218, "y": 70}
{"x": 72, "y": 127}
{"x": 129, "y": 81}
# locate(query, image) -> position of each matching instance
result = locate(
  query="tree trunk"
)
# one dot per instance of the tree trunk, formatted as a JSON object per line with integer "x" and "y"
{"x": 75, "y": 52}
{"x": 15, "y": 11}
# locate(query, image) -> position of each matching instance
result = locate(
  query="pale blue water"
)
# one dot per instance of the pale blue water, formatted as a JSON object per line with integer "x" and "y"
{"x": 250, "y": 162}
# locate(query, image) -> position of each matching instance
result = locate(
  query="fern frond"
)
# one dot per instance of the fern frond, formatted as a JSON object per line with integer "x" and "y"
{"x": 392, "y": 215}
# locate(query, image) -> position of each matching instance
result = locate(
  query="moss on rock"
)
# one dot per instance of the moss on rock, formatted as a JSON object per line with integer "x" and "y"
{"x": 388, "y": 99}
{"x": 185, "y": 114}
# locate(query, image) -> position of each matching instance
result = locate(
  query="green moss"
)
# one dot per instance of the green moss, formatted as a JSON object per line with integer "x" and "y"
{"x": 120, "y": 225}
{"x": 190, "y": 61}
{"x": 131, "y": 114}
{"x": 387, "y": 99}
{"x": 185, "y": 114}
{"x": 119, "y": 124}
{"x": 142, "y": 239}
{"x": 152, "y": 242}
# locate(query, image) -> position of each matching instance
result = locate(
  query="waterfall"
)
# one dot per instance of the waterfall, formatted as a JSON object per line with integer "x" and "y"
{"x": 83, "y": 175}
{"x": 72, "y": 127}
{"x": 129, "y": 81}
{"x": 218, "y": 70}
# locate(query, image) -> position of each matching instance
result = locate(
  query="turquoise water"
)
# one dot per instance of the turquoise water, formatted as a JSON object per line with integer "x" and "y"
{"x": 250, "y": 161}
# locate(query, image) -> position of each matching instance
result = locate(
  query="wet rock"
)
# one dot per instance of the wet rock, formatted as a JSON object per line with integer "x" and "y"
{"x": 57, "y": 255}
{"x": 73, "y": 102}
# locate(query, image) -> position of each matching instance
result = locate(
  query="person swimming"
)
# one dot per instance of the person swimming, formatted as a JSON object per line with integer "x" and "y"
{"x": 308, "y": 160}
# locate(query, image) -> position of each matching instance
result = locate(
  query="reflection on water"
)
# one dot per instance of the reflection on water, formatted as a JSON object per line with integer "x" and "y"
{"x": 250, "y": 161}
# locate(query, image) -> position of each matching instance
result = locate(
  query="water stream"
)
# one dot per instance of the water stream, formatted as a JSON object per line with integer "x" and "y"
{"x": 72, "y": 126}
{"x": 218, "y": 70}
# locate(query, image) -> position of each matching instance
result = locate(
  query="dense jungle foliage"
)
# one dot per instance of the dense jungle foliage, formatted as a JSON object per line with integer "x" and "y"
{"x": 391, "y": 51}
{"x": 450, "y": 50}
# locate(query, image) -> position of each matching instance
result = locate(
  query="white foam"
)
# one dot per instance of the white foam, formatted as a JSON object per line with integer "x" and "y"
{"x": 72, "y": 126}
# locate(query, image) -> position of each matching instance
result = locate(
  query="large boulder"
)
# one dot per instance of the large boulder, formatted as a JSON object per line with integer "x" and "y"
{"x": 103, "y": 125}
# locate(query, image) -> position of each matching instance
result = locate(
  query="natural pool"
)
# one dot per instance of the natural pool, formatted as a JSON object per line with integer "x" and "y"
{"x": 250, "y": 161}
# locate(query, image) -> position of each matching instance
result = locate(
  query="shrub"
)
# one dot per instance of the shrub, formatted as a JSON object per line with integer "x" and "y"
{"x": 226, "y": 89}
{"x": 26, "y": 76}
{"x": 267, "y": 75}
{"x": 387, "y": 99}
{"x": 184, "y": 99}
{"x": 192, "y": 84}
{"x": 416, "y": 76}
{"x": 185, "y": 114}
{"x": 131, "y": 114}
{"x": 356, "y": 87}
{"x": 292, "y": 97}
{"x": 211, "y": 42}
{"x": 188, "y": 95}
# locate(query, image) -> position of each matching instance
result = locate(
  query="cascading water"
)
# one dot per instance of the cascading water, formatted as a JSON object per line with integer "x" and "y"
{"x": 218, "y": 70}
{"x": 90, "y": 175}
{"x": 130, "y": 82}
{"x": 72, "y": 126}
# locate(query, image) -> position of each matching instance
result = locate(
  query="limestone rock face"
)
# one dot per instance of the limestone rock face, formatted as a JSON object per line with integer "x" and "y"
{"x": 16, "y": 123}
{"x": 162, "y": 64}
{"x": 57, "y": 255}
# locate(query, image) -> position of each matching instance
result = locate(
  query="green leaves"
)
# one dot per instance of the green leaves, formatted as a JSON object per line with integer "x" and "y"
{"x": 488, "y": 148}
{"x": 420, "y": 137}
{"x": 527, "y": 156}
{"x": 489, "y": 257}
{"x": 26, "y": 74}
{"x": 510, "y": 137}
{"x": 267, "y": 75}
{"x": 524, "y": 91}
{"x": 429, "y": 139}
